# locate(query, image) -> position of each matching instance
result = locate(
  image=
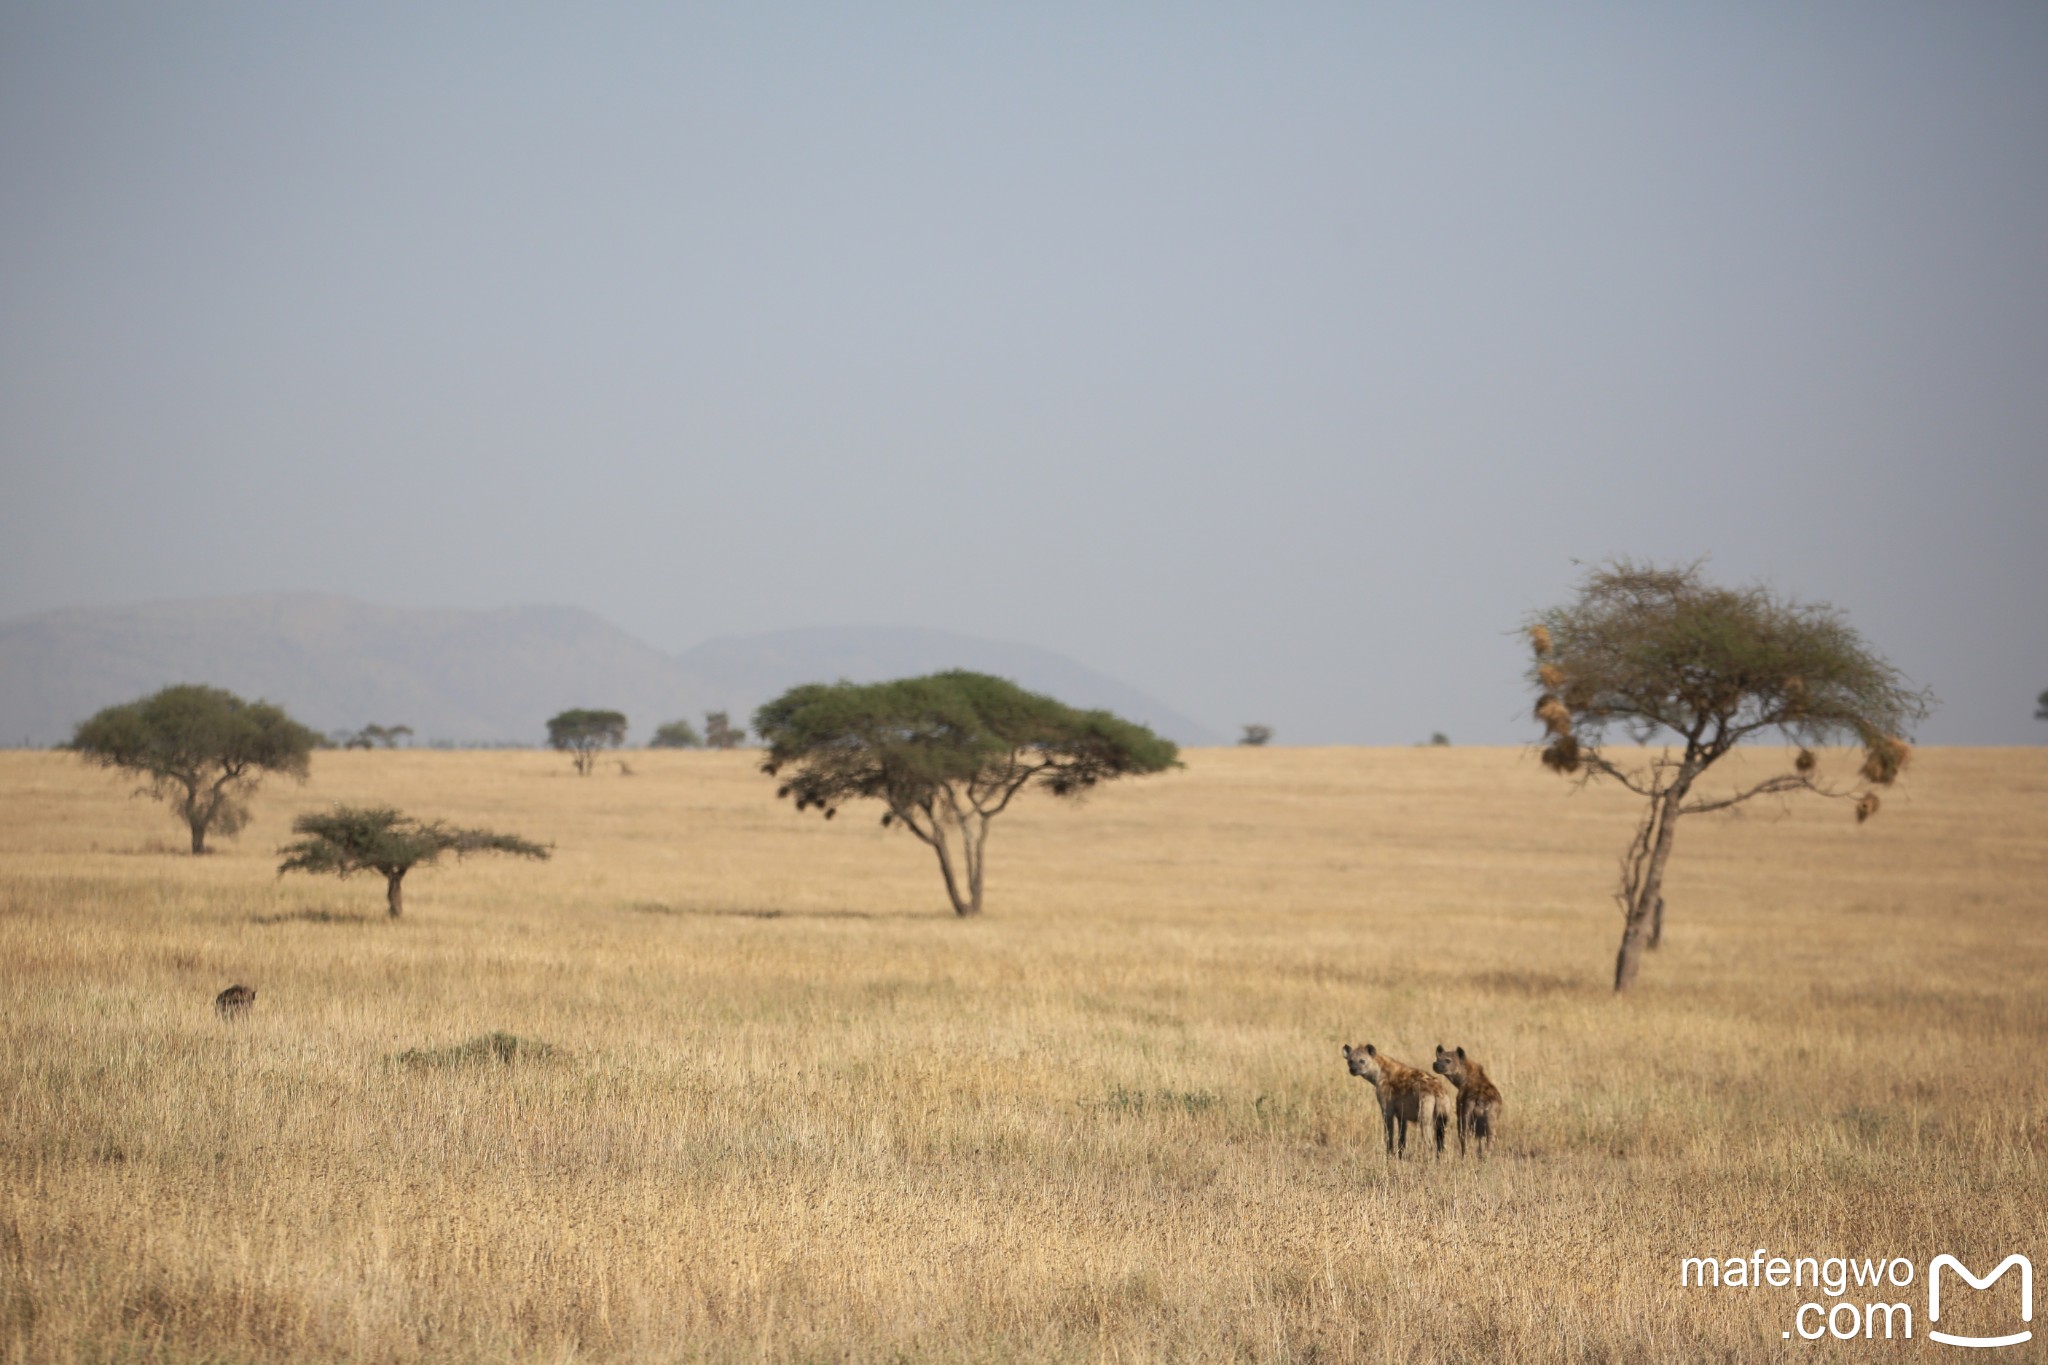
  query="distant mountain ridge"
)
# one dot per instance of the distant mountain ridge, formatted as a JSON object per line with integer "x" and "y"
{"x": 474, "y": 676}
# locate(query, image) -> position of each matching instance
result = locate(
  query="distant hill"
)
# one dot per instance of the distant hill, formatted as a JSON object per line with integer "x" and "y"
{"x": 469, "y": 676}
{"x": 335, "y": 663}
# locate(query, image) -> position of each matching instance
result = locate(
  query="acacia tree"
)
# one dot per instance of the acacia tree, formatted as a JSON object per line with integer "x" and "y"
{"x": 720, "y": 732}
{"x": 2041, "y": 707}
{"x": 945, "y": 754}
{"x": 1648, "y": 653}
{"x": 676, "y": 734}
{"x": 379, "y": 839}
{"x": 581, "y": 734}
{"x": 202, "y": 749}
{"x": 378, "y": 737}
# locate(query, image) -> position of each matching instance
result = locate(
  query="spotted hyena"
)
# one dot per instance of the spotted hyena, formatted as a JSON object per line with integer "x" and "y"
{"x": 1478, "y": 1098}
{"x": 1407, "y": 1095}
{"x": 234, "y": 1002}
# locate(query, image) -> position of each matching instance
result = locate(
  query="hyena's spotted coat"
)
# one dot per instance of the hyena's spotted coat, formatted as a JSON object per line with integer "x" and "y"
{"x": 1478, "y": 1098}
{"x": 1407, "y": 1095}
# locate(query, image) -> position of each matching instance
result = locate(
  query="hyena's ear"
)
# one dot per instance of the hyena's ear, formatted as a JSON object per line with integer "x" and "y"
{"x": 1439, "y": 1049}
{"x": 1461, "y": 1054}
{"x": 1369, "y": 1052}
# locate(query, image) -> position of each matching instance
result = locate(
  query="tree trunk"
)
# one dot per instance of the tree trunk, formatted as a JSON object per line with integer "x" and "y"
{"x": 963, "y": 883}
{"x": 977, "y": 855}
{"x": 1657, "y": 922}
{"x": 194, "y": 815}
{"x": 394, "y": 893}
{"x": 1644, "y": 878}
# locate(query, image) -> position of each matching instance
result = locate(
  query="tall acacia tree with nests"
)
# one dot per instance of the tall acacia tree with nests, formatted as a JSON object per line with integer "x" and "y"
{"x": 945, "y": 755}
{"x": 1648, "y": 654}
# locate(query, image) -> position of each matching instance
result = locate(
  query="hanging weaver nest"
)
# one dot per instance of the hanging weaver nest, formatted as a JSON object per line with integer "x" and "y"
{"x": 1885, "y": 759}
{"x": 1806, "y": 761}
{"x": 1553, "y": 677}
{"x": 1866, "y": 806}
{"x": 1539, "y": 640}
{"x": 1563, "y": 755}
{"x": 1555, "y": 715}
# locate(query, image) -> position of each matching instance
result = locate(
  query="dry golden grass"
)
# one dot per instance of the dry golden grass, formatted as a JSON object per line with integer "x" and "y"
{"x": 795, "y": 1110}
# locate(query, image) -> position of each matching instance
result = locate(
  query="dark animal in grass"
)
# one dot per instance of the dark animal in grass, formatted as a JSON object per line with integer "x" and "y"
{"x": 234, "y": 1002}
{"x": 1478, "y": 1098}
{"x": 1407, "y": 1095}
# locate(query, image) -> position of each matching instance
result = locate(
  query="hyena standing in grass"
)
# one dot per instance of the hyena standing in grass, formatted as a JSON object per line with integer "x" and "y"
{"x": 234, "y": 1002}
{"x": 1407, "y": 1095}
{"x": 1478, "y": 1098}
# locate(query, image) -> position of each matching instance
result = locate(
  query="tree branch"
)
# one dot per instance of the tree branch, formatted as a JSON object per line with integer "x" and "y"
{"x": 1592, "y": 759}
{"x": 1783, "y": 782}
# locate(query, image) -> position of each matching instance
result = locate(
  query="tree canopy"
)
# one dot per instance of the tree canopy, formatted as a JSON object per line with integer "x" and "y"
{"x": 377, "y": 737}
{"x": 945, "y": 754}
{"x": 676, "y": 734}
{"x": 202, "y": 749}
{"x": 1660, "y": 655}
{"x": 581, "y": 733}
{"x": 379, "y": 839}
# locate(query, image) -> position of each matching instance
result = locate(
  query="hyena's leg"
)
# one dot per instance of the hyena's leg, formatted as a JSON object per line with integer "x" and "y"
{"x": 1387, "y": 1117}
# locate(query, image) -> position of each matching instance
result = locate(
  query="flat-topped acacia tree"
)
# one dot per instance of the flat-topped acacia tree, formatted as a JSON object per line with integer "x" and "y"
{"x": 378, "y": 839}
{"x": 1655, "y": 654}
{"x": 945, "y": 754}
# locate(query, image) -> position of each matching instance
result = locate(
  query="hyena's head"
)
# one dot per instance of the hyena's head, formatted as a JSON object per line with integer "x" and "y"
{"x": 1363, "y": 1061}
{"x": 1451, "y": 1065}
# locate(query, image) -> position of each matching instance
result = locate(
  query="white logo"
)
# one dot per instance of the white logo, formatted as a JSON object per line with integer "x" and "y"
{"x": 1934, "y": 1298}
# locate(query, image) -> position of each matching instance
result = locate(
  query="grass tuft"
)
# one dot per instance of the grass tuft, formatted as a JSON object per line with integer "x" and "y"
{"x": 484, "y": 1049}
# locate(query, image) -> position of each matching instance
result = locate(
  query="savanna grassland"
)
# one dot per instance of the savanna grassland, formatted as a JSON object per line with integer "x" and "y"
{"x": 770, "y": 1100}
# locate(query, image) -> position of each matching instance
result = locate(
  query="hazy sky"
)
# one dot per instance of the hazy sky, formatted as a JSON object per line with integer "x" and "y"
{"x": 1278, "y": 359}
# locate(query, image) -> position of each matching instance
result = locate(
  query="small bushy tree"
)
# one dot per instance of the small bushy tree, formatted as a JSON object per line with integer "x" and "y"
{"x": 1652, "y": 654}
{"x": 202, "y": 749}
{"x": 676, "y": 734}
{"x": 378, "y": 839}
{"x": 945, "y": 754}
{"x": 581, "y": 733}
{"x": 1256, "y": 735}
{"x": 2041, "y": 707}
